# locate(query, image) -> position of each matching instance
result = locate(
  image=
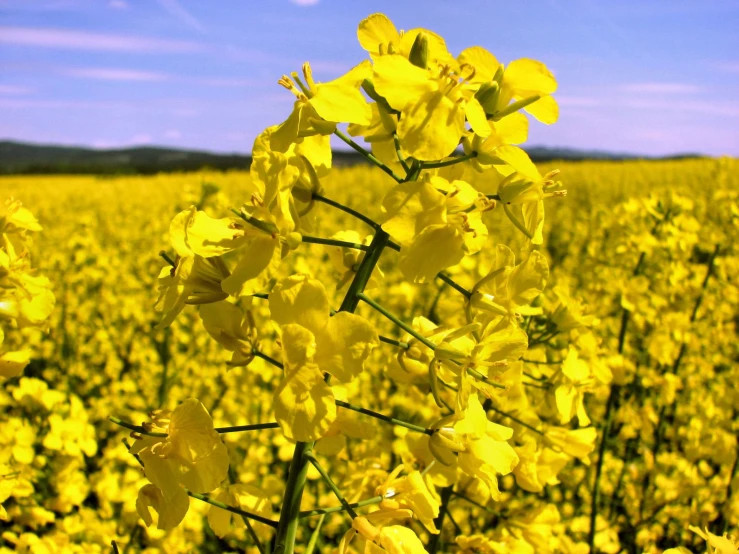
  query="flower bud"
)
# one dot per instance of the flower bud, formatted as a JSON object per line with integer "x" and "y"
{"x": 293, "y": 240}
{"x": 520, "y": 104}
{"x": 420, "y": 51}
{"x": 362, "y": 525}
{"x": 487, "y": 95}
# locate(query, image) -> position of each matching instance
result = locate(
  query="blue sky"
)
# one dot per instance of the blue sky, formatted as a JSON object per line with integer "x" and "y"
{"x": 650, "y": 77}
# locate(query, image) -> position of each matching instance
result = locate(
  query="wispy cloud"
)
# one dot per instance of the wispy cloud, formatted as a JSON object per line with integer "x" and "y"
{"x": 579, "y": 101}
{"x": 711, "y": 108}
{"x": 14, "y": 90}
{"x": 112, "y": 74}
{"x": 661, "y": 88}
{"x": 175, "y": 9}
{"x": 118, "y": 4}
{"x": 17, "y": 103}
{"x": 81, "y": 40}
{"x": 137, "y": 75}
{"x": 304, "y": 2}
{"x": 727, "y": 67}
{"x": 141, "y": 138}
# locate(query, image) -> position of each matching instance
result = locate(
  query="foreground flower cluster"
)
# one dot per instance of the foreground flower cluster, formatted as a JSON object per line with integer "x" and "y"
{"x": 426, "y": 102}
{"x": 402, "y": 358}
{"x": 25, "y": 297}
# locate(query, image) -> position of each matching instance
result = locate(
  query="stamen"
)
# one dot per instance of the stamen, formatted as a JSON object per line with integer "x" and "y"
{"x": 308, "y": 74}
{"x": 286, "y": 82}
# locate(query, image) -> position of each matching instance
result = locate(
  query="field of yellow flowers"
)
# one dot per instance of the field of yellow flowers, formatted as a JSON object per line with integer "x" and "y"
{"x": 441, "y": 351}
{"x": 628, "y": 304}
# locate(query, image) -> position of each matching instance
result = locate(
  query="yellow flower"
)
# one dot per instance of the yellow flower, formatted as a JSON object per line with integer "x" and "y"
{"x": 319, "y": 106}
{"x": 313, "y": 343}
{"x": 379, "y": 37}
{"x": 379, "y": 133}
{"x": 578, "y": 443}
{"x": 482, "y": 446}
{"x": 393, "y": 539}
{"x": 346, "y": 260}
{"x": 436, "y": 223}
{"x": 434, "y": 104}
{"x": 17, "y": 438}
{"x": 243, "y": 496}
{"x": 509, "y": 288}
{"x": 525, "y": 82}
{"x": 233, "y": 329}
{"x": 538, "y": 467}
{"x": 571, "y": 383}
{"x": 195, "y": 233}
{"x": 410, "y": 492}
{"x": 171, "y": 509}
{"x": 192, "y": 280}
{"x": 71, "y": 433}
{"x": 524, "y": 185}
{"x": 725, "y": 544}
{"x": 568, "y": 312}
{"x": 13, "y": 363}
{"x": 191, "y": 455}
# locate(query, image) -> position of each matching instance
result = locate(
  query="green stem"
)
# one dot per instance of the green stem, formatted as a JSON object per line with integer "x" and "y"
{"x": 540, "y": 363}
{"x": 164, "y": 355}
{"x": 516, "y": 222}
{"x": 346, "y": 209}
{"x": 367, "y": 154}
{"x": 613, "y": 395}
{"x": 231, "y": 509}
{"x": 451, "y": 161}
{"x": 222, "y": 430}
{"x": 727, "y": 501}
{"x": 333, "y": 242}
{"x": 595, "y": 500}
{"x": 407, "y": 328}
{"x": 233, "y": 479}
{"x": 396, "y": 141}
{"x": 252, "y": 427}
{"x": 287, "y": 527}
{"x": 289, "y": 514}
{"x": 535, "y": 385}
{"x": 449, "y": 281}
{"x": 334, "y": 509}
{"x": 314, "y": 536}
{"x": 268, "y": 359}
{"x": 489, "y": 406}
{"x": 385, "y": 418}
{"x": 435, "y": 540}
{"x": 480, "y": 377}
{"x": 399, "y": 344}
{"x": 659, "y": 434}
{"x": 312, "y": 459}
{"x": 474, "y": 503}
{"x": 212, "y": 502}
{"x": 167, "y": 259}
{"x": 364, "y": 272}
{"x": 135, "y": 428}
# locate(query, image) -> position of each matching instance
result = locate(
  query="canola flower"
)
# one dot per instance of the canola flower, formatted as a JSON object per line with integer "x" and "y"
{"x": 293, "y": 396}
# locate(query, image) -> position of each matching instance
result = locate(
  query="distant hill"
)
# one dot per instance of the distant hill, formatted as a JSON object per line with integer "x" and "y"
{"x": 18, "y": 157}
{"x": 26, "y": 158}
